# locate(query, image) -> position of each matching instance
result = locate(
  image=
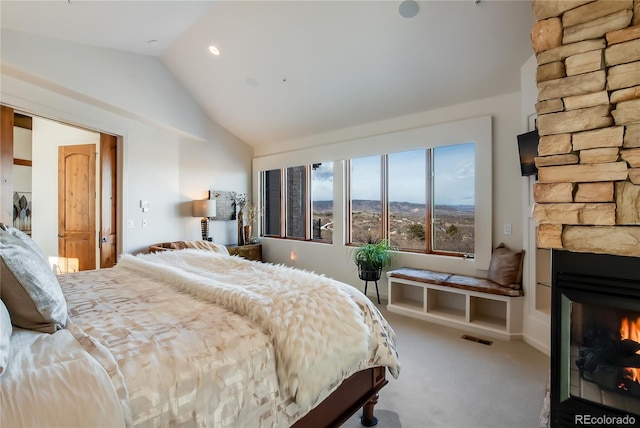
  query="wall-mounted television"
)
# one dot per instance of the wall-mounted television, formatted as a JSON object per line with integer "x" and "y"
{"x": 528, "y": 148}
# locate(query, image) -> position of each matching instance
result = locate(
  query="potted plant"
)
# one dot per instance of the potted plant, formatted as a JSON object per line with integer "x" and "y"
{"x": 372, "y": 258}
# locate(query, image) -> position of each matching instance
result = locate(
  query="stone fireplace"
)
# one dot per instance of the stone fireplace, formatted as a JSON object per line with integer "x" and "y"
{"x": 587, "y": 204}
{"x": 588, "y": 118}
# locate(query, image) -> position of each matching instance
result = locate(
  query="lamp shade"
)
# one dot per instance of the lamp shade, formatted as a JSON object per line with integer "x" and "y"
{"x": 204, "y": 208}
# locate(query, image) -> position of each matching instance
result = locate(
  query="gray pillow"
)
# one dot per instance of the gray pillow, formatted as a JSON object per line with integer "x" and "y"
{"x": 24, "y": 238}
{"x": 5, "y": 337}
{"x": 30, "y": 290}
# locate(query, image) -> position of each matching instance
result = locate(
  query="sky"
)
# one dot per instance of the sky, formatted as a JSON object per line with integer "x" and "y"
{"x": 454, "y": 168}
{"x": 322, "y": 179}
{"x": 454, "y": 182}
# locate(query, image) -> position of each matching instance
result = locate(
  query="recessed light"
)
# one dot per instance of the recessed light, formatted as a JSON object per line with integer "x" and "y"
{"x": 214, "y": 50}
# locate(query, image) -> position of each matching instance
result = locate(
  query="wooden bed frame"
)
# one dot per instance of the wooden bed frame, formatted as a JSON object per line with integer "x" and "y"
{"x": 359, "y": 390}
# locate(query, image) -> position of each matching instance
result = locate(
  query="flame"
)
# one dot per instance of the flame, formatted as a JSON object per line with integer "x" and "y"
{"x": 631, "y": 330}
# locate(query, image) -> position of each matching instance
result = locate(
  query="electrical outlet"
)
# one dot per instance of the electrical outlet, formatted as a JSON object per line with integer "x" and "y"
{"x": 130, "y": 224}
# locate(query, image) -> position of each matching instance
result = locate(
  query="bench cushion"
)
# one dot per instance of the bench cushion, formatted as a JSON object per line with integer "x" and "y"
{"x": 464, "y": 282}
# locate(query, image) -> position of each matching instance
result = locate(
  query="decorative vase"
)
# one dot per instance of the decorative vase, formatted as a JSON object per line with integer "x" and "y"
{"x": 240, "y": 228}
{"x": 247, "y": 234}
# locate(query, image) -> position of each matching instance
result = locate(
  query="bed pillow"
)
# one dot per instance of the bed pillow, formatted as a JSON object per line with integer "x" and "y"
{"x": 24, "y": 238}
{"x": 5, "y": 337}
{"x": 30, "y": 290}
{"x": 505, "y": 267}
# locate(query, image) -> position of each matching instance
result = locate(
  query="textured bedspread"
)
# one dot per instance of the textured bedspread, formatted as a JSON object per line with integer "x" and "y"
{"x": 177, "y": 359}
{"x": 290, "y": 305}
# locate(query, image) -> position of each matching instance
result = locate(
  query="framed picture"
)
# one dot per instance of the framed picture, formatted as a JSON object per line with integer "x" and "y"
{"x": 225, "y": 205}
{"x": 22, "y": 211}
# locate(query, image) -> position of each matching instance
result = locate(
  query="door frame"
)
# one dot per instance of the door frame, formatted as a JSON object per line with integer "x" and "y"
{"x": 6, "y": 173}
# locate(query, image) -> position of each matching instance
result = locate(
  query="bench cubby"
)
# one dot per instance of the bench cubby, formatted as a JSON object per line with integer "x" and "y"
{"x": 415, "y": 293}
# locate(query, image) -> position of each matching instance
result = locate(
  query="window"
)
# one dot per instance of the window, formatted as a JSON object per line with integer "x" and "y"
{"x": 322, "y": 201}
{"x": 420, "y": 200}
{"x": 271, "y": 197}
{"x": 454, "y": 198}
{"x": 407, "y": 199}
{"x": 296, "y": 202}
{"x": 308, "y": 207}
{"x": 366, "y": 201}
{"x": 398, "y": 186}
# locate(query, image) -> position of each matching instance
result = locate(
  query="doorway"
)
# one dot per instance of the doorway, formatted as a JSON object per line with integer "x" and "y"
{"x": 82, "y": 154}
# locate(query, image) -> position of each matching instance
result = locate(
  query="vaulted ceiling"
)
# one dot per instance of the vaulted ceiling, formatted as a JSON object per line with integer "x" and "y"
{"x": 290, "y": 69}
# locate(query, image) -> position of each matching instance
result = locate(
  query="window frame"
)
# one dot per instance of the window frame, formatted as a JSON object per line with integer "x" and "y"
{"x": 385, "y": 204}
{"x": 310, "y": 169}
{"x": 307, "y": 203}
{"x": 424, "y": 131}
{"x": 263, "y": 204}
{"x": 348, "y": 204}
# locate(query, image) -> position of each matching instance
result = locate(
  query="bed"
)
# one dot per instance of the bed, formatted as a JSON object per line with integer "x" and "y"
{"x": 187, "y": 338}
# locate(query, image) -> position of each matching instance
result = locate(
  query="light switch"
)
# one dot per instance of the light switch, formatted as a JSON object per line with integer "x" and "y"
{"x": 144, "y": 222}
{"x": 144, "y": 205}
{"x": 507, "y": 229}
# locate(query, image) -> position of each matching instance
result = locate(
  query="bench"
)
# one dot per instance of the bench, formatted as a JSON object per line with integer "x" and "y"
{"x": 463, "y": 282}
{"x": 461, "y": 301}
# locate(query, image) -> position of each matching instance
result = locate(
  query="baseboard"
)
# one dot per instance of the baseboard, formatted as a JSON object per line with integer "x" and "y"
{"x": 542, "y": 347}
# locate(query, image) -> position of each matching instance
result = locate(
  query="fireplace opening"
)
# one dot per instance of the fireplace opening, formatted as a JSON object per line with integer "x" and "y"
{"x": 605, "y": 347}
{"x": 595, "y": 338}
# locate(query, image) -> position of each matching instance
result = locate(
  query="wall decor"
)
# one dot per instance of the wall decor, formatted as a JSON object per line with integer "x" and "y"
{"x": 22, "y": 211}
{"x": 225, "y": 205}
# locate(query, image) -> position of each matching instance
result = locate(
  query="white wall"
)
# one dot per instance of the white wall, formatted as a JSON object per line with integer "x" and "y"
{"x": 333, "y": 260}
{"x": 172, "y": 153}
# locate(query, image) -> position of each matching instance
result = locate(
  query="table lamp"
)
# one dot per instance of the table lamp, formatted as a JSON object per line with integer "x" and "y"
{"x": 205, "y": 208}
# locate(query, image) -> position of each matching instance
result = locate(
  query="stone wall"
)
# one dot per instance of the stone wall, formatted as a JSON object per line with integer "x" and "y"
{"x": 587, "y": 198}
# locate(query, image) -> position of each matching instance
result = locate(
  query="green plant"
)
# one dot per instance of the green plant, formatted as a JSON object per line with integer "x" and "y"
{"x": 374, "y": 255}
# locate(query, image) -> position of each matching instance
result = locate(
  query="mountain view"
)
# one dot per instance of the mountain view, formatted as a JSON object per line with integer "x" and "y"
{"x": 454, "y": 224}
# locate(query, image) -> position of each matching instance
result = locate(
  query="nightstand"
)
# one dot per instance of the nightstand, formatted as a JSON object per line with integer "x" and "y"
{"x": 249, "y": 252}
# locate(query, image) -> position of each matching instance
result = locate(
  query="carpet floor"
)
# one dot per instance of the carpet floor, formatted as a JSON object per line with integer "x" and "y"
{"x": 449, "y": 382}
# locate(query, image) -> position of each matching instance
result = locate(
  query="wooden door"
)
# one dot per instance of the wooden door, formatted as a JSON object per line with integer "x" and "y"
{"x": 108, "y": 170}
{"x": 77, "y": 207}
